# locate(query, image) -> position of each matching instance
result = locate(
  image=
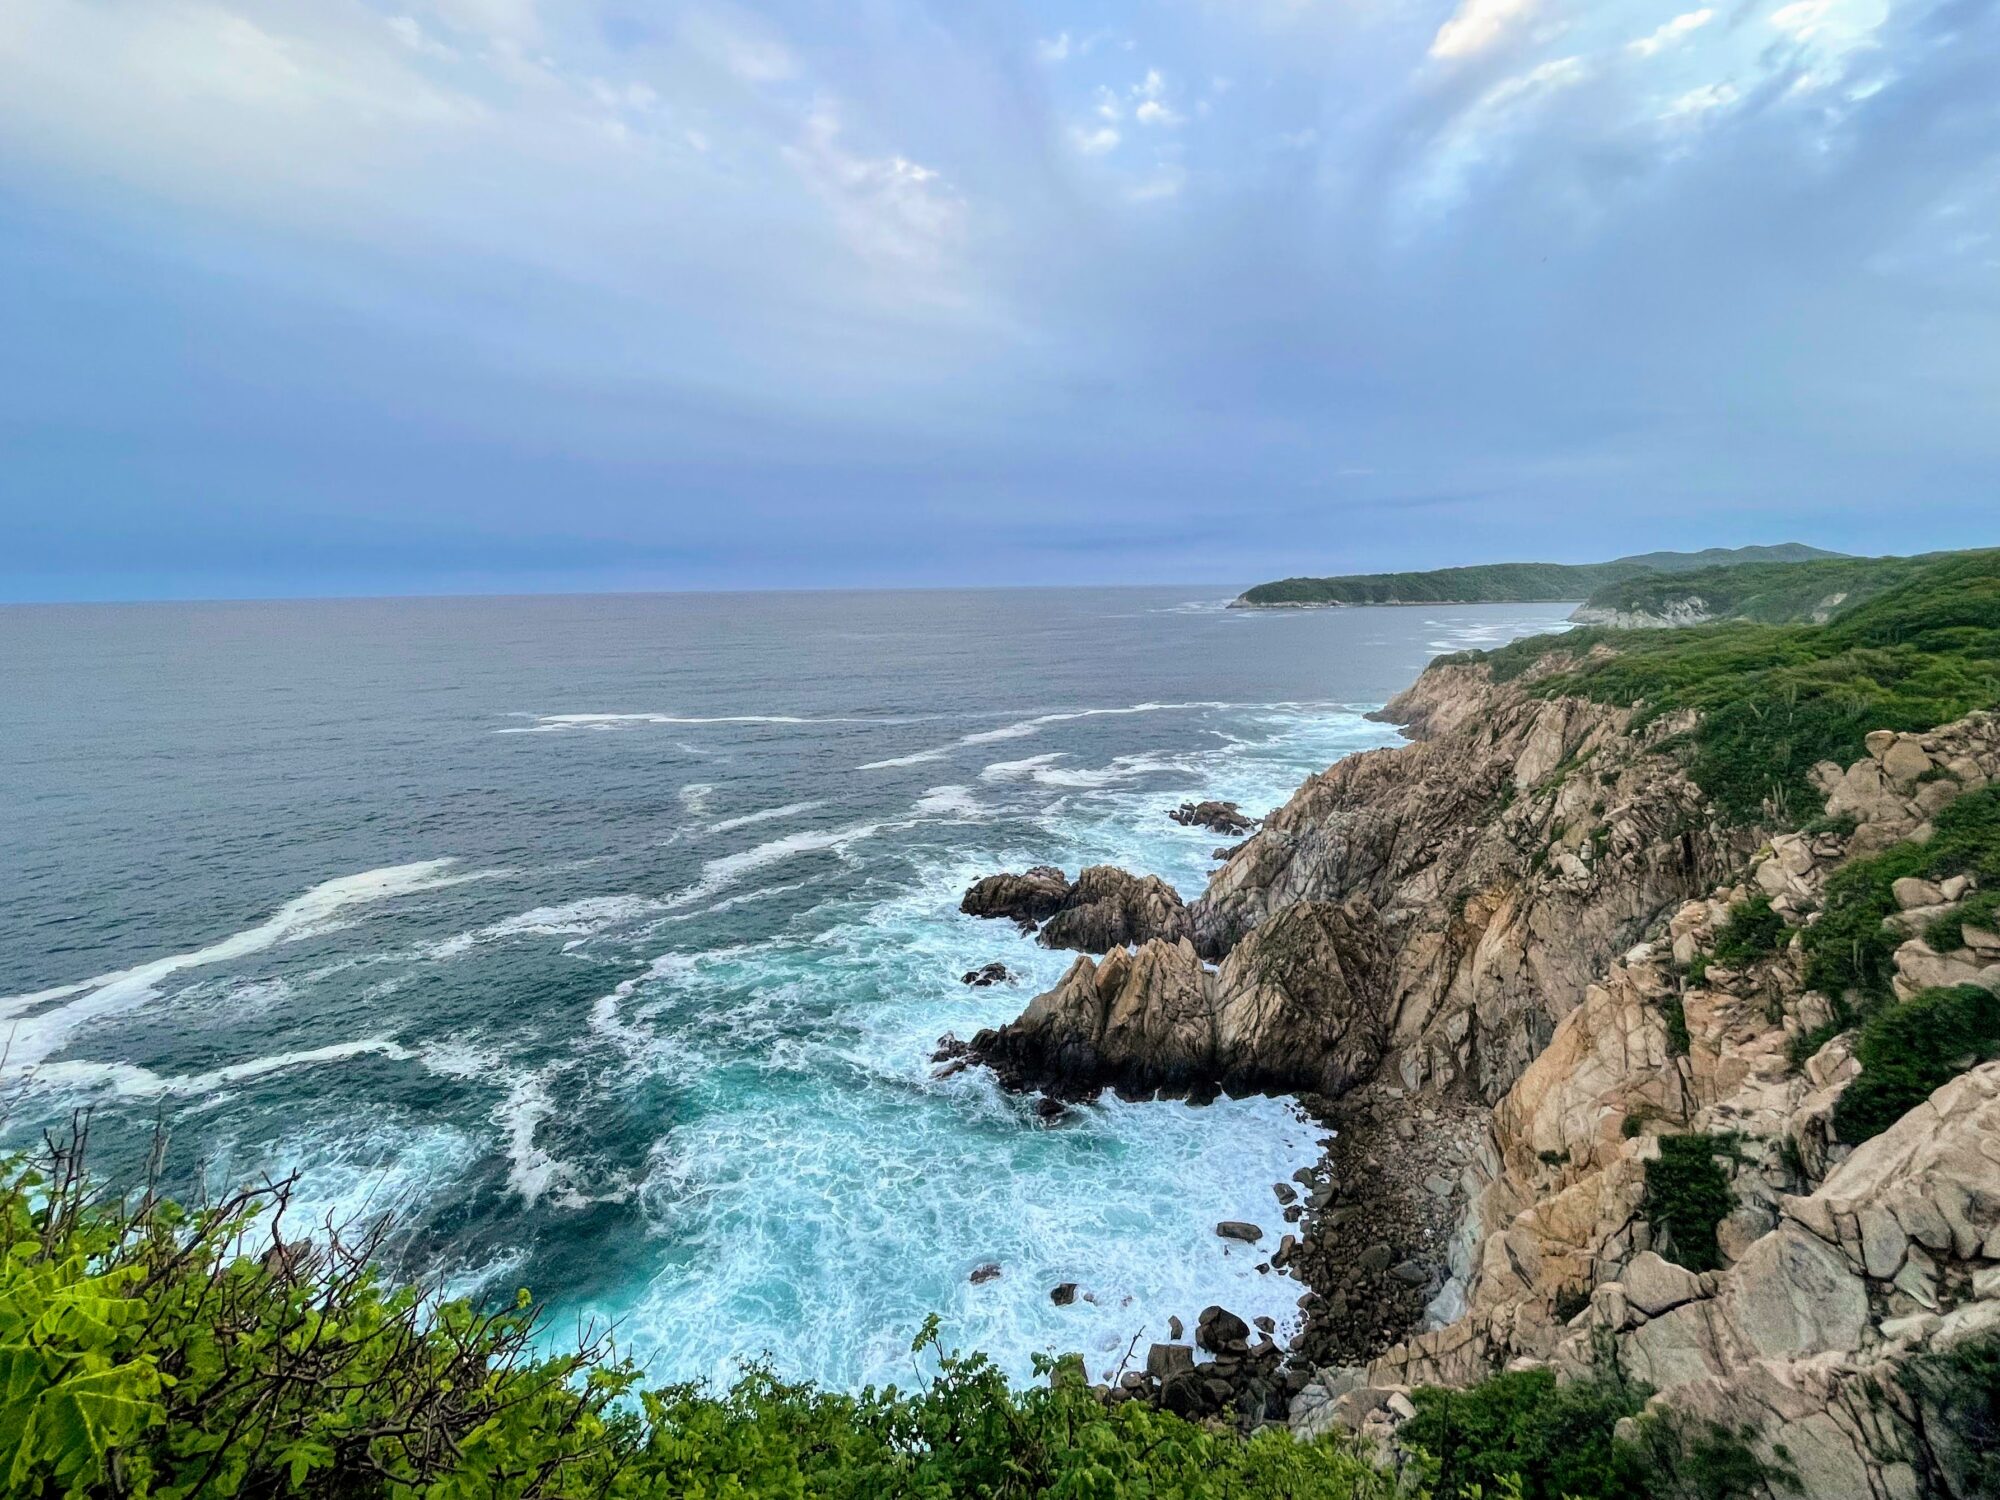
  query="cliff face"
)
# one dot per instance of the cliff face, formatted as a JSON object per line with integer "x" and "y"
{"x": 1837, "y": 1266}
{"x": 1440, "y": 907}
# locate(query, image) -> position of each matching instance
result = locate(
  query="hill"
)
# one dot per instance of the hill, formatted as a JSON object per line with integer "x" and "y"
{"x": 1770, "y": 593}
{"x": 1507, "y": 583}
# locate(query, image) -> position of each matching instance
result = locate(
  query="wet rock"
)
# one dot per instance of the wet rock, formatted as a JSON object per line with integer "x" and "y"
{"x": 982, "y": 1274}
{"x": 1051, "y": 1111}
{"x": 988, "y": 975}
{"x": 1220, "y": 1331}
{"x": 1221, "y": 817}
{"x": 1164, "y": 1361}
{"x": 1064, "y": 1294}
{"x": 1031, "y": 897}
{"x": 1285, "y": 1192}
{"x": 1237, "y": 1229}
{"x": 1174, "y": 1328}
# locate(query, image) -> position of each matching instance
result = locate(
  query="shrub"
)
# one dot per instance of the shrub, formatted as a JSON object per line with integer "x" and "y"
{"x": 1773, "y": 700}
{"x": 1907, "y": 1051}
{"x": 151, "y": 1351}
{"x": 1848, "y": 948}
{"x": 1948, "y": 932}
{"x": 1751, "y": 931}
{"x": 1687, "y": 1195}
{"x": 1957, "y": 1392}
{"x": 1554, "y": 1440}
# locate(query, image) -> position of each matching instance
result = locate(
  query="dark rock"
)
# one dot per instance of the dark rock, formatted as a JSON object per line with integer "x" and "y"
{"x": 1236, "y": 1229}
{"x": 987, "y": 976}
{"x": 1221, "y": 817}
{"x": 988, "y": 1272}
{"x": 1174, "y": 1328}
{"x": 1064, "y": 1295}
{"x": 1109, "y": 908}
{"x": 1412, "y": 1272}
{"x": 1267, "y": 1323}
{"x": 1050, "y": 1111}
{"x": 1285, "y": 1192}
{"x": 1033, "y": 897}
{"x": 1218, "y": 1329}
{"x": 1184, "y": 1394}
{"x": 1166, "y": 1360}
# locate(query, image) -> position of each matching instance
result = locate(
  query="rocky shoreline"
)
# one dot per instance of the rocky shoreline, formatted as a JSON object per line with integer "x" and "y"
{"x": 1485, "y": 961}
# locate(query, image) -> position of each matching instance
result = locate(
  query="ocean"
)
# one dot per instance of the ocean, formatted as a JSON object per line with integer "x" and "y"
{"x": 604, "y": 941}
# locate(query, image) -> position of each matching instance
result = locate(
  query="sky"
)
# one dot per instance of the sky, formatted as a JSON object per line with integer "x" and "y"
{"x": 401, "y": 296}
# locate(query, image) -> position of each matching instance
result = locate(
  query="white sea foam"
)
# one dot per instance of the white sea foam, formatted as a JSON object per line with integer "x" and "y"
{"x": 129, "y": 1081}
{"x": 720, "y": 874}
{"x": 1025, "y": 728}
{"x": 768, "y": 815}
{"x": 695, "y": 796}
{"x": 44, "y": 1020}
{"x": 559, "y": 723}
{"x": 948, "y": 802}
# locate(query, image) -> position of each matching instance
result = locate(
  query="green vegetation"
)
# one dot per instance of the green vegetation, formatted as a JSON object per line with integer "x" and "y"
{"x": 1675, "y": 1015}
{"x": 1502, "y": 582}
{"x": 1947, "y": 933}
{"x": 1771, "y": 593}
{"x": 1957, "y": 1394}
{"x": 1554, "y": 1440}
{"x": 1687, "y": 1195}
{"x": 1850, "y": 953}
{"x": 1772, "y": 700}
{"x": 147, "y": 1351}
{"x": 1907, "y": 1051}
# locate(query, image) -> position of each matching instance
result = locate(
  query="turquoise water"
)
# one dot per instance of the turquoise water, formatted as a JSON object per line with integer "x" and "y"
{"x": 605, "y": 941}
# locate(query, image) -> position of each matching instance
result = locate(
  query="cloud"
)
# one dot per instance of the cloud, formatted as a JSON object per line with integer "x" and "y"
{"x": 1677, "y": 29}
{"x": 1054, "y": 49}
{"x": 892, "y": 210}
{"x": 1094, "y": 142}
{"x": 1478, "y": 25}
{"x": 1153, "y": 112}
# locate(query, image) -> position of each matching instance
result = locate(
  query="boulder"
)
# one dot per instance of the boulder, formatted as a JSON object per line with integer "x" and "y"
{"x": 1064, "y": 1294}
{"x": 982, "y": 1274}
{"x": 1222, "y": 817}
{"x": 1033, "y": 897}
{"x": 1164, "y": 1361}
{"x": 987, "y": 976}
{"x": 1220, "y": 1331}
{"x": 1654, "y": 1285}
{"x": 1237, "y": 1229}
{"x": 1109, "y": 908}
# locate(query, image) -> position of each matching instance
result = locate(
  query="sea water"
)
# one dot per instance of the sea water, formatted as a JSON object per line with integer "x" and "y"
{"x": 604, "y": 942}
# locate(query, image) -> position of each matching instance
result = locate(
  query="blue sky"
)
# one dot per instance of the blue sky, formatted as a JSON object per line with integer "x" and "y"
{"x": 336, "y": 296}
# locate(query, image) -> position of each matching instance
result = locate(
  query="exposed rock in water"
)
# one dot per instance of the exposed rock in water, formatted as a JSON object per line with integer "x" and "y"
{"x": 988, "y": 975}
{"x": 1222, "y": 817}
{"x": 1064, "y": 1294}
{"x": 982, "y": 1274}
{"x": 1104, "y": 908}
{"x": 1237, "y": 1229}
{"x": 1033, "y": 897}
{"x": 1298, "y": 1007}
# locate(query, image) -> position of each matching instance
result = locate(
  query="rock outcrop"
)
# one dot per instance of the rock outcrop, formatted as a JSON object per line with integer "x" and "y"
{"x": 1104, "y": 908}
{"x": 1222, "y": 817}
{"x": 1299, "y": 1007}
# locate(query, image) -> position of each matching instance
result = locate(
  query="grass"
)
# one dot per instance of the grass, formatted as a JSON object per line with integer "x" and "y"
{"x": 1910, "y": 1050}
{"x": 1773, "y": 700}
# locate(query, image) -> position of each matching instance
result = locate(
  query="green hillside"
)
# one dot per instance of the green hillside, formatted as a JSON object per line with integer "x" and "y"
{"x": 1516, "y": 583}
{"x": 1771, "y": 700}
{"x": 1769, "y": 592}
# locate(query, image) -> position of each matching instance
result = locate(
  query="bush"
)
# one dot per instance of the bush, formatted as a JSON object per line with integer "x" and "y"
{"x": 1957, "y": 1393}
{"x": 1848, "y": 950}
{"x": 1752, "y": 931}
{"x": 1772, "y": 700}
{"x": 151, "y": 1351}
{"x": 1554, "y": 1440}
{"x": 1687, "y": 1195}
{"x": 1947, "y": 933}
{"x": 1907, "y": 1051}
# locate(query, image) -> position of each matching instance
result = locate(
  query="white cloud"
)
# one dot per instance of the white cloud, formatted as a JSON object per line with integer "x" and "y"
{"x": 1557, "y": 73}
{"x": 1802, "y": 18}
{"x": 410, "y": 32}
{"x": 1152, "y": 86}
{"x": 891, "y": 210}
{"x": 1477, "y": 25}
{"x": 1054, "y": 49}
{"x": 1094, "y": 142}
{"x": 1299, "y": 140}
{"x": 1153, "y": 112}
{"x": 1690, "y": 107}
{"x": 1108, "y": 105}
{"x": 1164, "y": 184}
{"x": 1674, "y": 30}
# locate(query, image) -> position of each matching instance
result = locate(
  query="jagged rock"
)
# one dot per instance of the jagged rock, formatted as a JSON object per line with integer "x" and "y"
{"x": 1221, "y": 817}
{"x": 1296, "y": 1008}
{"x": 981, "y": 1274}
{"x": 1108, "y": 908}
{"x": 1033, "y": 897}
{"x": 1220, "y": 1331}
{"x": 1064, "y": 1294}
{"x": 987, "y": 976}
